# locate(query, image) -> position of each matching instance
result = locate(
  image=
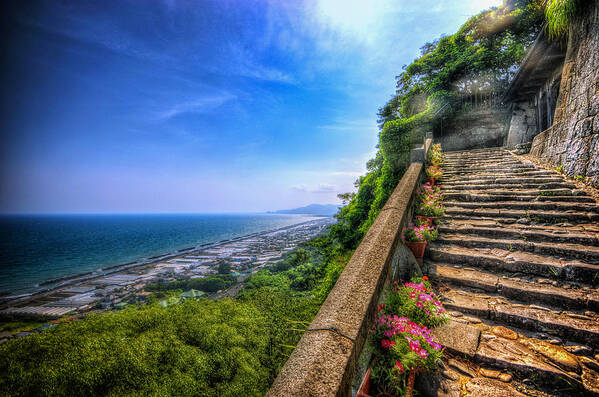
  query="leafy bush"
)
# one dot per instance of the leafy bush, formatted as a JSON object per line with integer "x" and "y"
{"x": 211, "y": 283}
{"x": 201, "y": 347}
{"x": 416, "y": 300}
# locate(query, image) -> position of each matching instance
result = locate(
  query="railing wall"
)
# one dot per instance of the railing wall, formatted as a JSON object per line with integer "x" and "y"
{"x": 324, "y": 361}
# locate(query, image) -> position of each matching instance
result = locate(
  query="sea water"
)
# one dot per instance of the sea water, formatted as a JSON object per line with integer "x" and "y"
{"x": 37, "y": 248}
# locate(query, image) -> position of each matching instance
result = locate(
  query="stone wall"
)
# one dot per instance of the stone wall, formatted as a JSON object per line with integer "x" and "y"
{"x": 325, "y": 360}
{"x": 523, "y": 124}
{"x": 573, "y": 140}
{"x": 474, "y": 129}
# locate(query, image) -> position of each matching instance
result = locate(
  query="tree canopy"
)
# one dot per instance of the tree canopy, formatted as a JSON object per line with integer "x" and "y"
{"x": 479, "y": 59}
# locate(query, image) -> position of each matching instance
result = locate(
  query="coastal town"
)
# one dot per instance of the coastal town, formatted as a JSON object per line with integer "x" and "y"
{"x": 116, "y": 287}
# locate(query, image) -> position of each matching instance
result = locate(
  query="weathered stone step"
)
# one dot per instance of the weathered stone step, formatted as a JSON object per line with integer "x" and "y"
{"x": 458, "y": 164}
{"x": 481, "y": 197}
{"x": 526, "y": 205}
{"x": 565, "y": 324}
{"x": 542, "y": 216}
{"x": 515, "y": 288}
{"x": 501, "y": 179}
{"x": 482, "y": 347}
{"x": 476, "y": 154}
{"x": 515, "y": 262}
{"x": 532, "y": 182}
{"x": 490, "y": 169}
{"x": 523, "y": 232}
{"x": 510, "y": 185}
{"x": 493, "y": 177}
{"x": 586, "y": 253}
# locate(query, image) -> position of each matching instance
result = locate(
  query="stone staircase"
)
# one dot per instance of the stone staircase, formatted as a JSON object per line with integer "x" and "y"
{"x": 517, "y": 267}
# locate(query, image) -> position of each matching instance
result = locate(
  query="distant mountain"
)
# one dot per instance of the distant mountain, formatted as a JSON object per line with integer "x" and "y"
{"x": 312, "y": 209}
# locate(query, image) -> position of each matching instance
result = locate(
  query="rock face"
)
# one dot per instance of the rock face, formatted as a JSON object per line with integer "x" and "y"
{"x": 522, "y": 296}
{"x": 573, "y": 139}
{"x": 523, "y": 124}
{"x": 474, "y": 129}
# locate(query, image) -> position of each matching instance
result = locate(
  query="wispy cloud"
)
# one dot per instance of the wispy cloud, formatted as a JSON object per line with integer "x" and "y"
{"x": 200, "y": 105}
{"x": 319, "y": 189}
{"x": 345, "y": 125}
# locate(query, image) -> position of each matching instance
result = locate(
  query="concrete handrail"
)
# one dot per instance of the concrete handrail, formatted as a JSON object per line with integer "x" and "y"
{"x": 324, "y": 361}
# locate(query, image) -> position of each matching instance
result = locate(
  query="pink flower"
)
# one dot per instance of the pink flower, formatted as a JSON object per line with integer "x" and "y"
{"x": 387, "y": 344}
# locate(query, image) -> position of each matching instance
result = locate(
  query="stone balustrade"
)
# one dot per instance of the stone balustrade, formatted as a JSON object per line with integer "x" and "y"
{"x": 324, "y": 361}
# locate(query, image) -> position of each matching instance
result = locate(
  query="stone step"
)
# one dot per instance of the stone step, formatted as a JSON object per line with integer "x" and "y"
{"x": 515, "y": 262}
{"x": 509, "y": 185}
{"x": 540, "y": 216}
{"x": 531, "y": 174}
{"x": 447, "y": 183}
{"x": 507, "y": 285}
{"x": 514, "y": 192}
{"x": 479, "y": 349}
{"x": 526, "y": 205}
{"x": 491, "y": 178}
{"x": 565, "y": 324}
{"x": 488, "y": 170}
{"x": 524, "y": 232}
{"x": 585, "y": 253}
{"x": 481, "y": 197}
{"x": 466, "y": 164}
{"x": 477, "y": 152}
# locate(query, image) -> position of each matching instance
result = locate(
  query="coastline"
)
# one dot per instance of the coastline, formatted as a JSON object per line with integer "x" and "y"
{"x": 69, "y": 280}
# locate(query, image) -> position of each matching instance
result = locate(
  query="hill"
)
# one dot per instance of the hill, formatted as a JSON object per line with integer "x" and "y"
{"x": 312, "y": 209}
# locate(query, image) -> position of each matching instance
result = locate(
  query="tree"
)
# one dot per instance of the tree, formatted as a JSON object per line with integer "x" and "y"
{"x": 224, "y": 267}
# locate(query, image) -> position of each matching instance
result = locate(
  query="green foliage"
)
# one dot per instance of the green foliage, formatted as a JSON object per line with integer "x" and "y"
{"x": 200, "y": 348}
{"x": 559, "y": 15}
{"x": 224, "y": 268}
{"x": 207, "y": 284}
{"x": 478, "y": 60}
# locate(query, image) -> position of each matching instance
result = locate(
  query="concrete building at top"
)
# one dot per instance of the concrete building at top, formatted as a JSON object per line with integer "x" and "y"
{"x": 554, "y": 99}
{"x": 533, "y": 93}
{"x": 551, "y": 105}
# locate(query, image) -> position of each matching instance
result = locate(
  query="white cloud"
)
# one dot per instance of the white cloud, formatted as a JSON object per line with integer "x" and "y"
{"x": 343, "y": 125}
{"x": 320, "y": 188}
{"x": 199, "y": 105}
{"x": 324, "y": 188}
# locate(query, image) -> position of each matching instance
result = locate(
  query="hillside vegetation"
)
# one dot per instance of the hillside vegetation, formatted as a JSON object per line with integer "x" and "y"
{"x": 234, "y": 347}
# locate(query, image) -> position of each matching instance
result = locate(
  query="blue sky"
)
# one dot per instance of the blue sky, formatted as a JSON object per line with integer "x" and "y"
{"x": 200, "y": 106}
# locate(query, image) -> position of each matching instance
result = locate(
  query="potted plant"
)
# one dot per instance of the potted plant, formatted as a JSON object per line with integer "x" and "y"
{"x": 433, "y": 172}
{"x": 402, "y": 346}
{"x": 416, "y": 238}
{"x": 435, "y": 156}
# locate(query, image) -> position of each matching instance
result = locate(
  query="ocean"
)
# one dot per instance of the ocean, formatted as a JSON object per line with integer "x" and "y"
{"x": 37, "y": 248}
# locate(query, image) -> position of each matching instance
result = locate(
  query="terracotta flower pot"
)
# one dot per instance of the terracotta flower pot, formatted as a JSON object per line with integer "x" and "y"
{"x": 364, "y": 386}
{"x": 430, "y": 180}
{"x": 417, "y": 248}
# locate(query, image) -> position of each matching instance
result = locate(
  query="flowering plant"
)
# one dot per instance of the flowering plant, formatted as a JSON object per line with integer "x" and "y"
{"x": 431, "y": 208}
{"x": 434, "y": 171}
{"x": 420, "y": 233}
{"x": 435, "y": 155}
{"x": 401, "y": 336}
{"x": 428, "y": 192}
{"x": 416, "y": 300}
